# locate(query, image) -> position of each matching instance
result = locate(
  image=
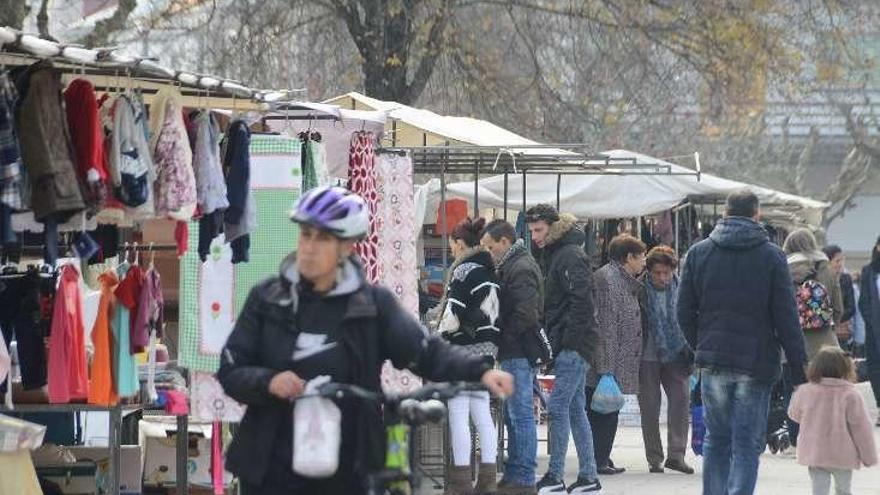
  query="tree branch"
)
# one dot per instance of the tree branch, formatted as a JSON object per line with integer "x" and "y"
{"x": 433, "y": 50}
{"x": 107, "y": 27}
{"x": 13, "y": 13}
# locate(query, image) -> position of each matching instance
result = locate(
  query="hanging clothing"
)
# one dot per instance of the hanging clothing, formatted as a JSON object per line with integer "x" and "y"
{"x": 318, "y": 154}
{"x": 125, "y": 374}
{"x": 87, "y": 137}
{"x": 21, "y": 317}
{"x": 240, "y": 217}
{"x": 102, "y": 392}
{"x": 309, "y": 176}
{"x": 131, "y": 166}
{"x": 150, "y": 310}
{"x": 10, "y": 154}
{"x": 175, "y": 184}
{"x": 362, "y": 180}
{"x": 210, "y": 183}
{"x": 46, "y": 149}
{"x": 181, "y": 237}
{"x": 68, "y": 370}
{"x": 129, "y": 295}
{"x": 210, "y": 226}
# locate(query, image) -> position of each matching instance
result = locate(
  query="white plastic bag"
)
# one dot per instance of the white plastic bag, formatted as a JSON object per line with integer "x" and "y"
{"x": 317, "y": 433}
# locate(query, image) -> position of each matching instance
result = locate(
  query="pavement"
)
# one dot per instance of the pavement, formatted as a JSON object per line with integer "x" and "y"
{"x": 779, "y": 474}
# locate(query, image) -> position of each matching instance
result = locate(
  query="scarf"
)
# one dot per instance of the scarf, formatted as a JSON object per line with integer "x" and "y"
{"x": 662, "y": 320}
{"x": 518, "y": 247}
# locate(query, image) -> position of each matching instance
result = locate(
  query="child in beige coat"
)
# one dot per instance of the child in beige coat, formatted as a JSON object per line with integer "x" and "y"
{"x": 836, "y": 434}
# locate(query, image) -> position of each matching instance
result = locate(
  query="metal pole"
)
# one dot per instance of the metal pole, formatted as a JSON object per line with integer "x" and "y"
{"x": 476, "y": 189}
{"x": 675, "y": 214}
{"x": 115, "y": 446}
{"x": 505, "y": 194}
{"x": 443, "y": 211}
{"x": 558, "y": 189}
{"x": 182, "y": 455}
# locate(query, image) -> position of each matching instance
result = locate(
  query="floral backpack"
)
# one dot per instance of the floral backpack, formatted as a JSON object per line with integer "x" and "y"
{"x": 814, "y": 303}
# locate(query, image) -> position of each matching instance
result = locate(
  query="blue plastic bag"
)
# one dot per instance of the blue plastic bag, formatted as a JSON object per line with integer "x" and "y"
{"x": 607, "y": 398}
{"x": 698, "y": 425}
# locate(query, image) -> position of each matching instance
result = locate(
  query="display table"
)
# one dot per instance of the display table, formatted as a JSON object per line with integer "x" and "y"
{"x": 114, "y": 440}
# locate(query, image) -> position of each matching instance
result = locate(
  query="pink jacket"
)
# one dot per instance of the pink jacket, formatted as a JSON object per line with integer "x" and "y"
{"x": 836, "y": 432}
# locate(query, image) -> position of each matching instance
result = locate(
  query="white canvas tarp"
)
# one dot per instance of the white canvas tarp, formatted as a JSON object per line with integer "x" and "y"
{"x": 620, "y": 196}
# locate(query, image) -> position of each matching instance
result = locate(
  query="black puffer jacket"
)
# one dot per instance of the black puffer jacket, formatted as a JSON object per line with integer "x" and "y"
{"x": 569, "y": 311}
{"x": 522, "y": 334}
{"x": 374, "y": 328}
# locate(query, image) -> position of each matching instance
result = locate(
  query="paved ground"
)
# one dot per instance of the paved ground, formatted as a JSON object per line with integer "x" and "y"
{"x": 778, "y": 475}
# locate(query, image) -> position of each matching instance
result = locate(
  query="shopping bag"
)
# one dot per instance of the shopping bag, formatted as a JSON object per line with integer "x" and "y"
{"x": 317, "y": 433}
{"x": 607, "y": 398}
{"x": 698, "y": 421}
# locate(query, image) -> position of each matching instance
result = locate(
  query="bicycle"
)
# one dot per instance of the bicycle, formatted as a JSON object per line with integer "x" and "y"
{"x": 404, "y": 414}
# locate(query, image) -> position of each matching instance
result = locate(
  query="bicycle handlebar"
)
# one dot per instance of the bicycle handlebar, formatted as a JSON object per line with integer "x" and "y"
{"x": 418, "y": 407}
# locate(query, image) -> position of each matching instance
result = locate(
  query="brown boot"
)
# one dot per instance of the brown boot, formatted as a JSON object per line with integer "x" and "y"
{"x": 486, "y": 480}
{"x": 459, "y": 482}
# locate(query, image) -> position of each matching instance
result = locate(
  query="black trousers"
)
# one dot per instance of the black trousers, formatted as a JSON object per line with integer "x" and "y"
{"x": 604, "y": 427}
{"x": 20, "y": 316}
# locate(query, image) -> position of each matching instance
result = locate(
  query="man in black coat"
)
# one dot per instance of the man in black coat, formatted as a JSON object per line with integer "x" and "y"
{"x": 569, "y": 317}
{"x": 736, "y": 306}
{"x": 523, "y": 346}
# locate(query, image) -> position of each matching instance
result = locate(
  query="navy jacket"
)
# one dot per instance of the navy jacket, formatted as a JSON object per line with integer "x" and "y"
{"x": 736, "y": 302}
{"x": 869, "y": 305}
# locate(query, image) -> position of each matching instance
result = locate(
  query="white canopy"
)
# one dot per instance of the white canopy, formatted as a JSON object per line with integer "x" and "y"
{"x": 620, "y": 196}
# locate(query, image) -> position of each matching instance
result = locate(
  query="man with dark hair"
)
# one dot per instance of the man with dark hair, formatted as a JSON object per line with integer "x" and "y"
{"x": 522, "y": 348}
{"x": 736, "y": 307}
{"x": 570, "y": 321}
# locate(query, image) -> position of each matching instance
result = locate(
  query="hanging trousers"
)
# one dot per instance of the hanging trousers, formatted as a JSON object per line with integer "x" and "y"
{"x": 604, "y": 428}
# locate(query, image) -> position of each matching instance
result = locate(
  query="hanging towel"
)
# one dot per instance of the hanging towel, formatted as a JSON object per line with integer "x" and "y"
{"x": 175, "y": 185}
{"x": 210, "y": 183}
{"x": 309, "y": 175}
{"x": 87, "y": 136}
{"x": 68, "y": 369}
{"x": 318, "y": 154}
{"x": 362, "y": 180}
{"x": 217, "y": 458}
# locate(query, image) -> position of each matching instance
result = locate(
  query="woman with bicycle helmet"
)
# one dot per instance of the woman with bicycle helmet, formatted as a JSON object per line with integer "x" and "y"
{"x": 319, "y": 316}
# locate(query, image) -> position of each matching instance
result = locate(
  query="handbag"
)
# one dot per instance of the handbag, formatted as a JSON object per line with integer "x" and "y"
{"x": 317, "y": 433}
{"x": 607, "y": 398}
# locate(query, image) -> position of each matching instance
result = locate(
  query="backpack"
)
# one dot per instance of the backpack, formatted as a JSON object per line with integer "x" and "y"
{"x": 813, "y": 303}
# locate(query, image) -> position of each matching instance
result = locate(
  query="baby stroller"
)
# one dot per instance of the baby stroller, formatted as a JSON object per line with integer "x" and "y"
{"x": 778, "y": 438}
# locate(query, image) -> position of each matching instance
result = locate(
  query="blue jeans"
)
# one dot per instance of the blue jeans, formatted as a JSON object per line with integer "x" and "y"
{"x": 519, "y": 418}
{"x": 567, "y": 409}
{"x": 736, "y": 407}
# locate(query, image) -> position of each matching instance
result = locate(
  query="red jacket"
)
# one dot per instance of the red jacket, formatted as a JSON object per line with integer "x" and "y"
{"x": 87, "y": 136}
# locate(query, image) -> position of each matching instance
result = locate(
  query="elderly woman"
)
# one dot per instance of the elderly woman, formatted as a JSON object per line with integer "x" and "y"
{"x": 619, "y": 351}
{"x": 807, "y": 262}
{"x": 666, "y": 361}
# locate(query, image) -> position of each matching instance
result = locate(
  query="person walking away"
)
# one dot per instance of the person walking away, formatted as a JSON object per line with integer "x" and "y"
{"x": 523, "y": 347}
{"x": 666, "y": 361}
{"x": 620, "y": 338}
{"x": 808, "y": 266}
{"x": 858, "y": 321}
{"x": 470, "y": 312}
{"x": 869, "y": 305}
{"x": 837, "y": 262}
{"x": 571, "y": 325}
{"x": 835, "y": 436}
{"x": 319, "y": 316}
{"x": 736, "y": 307}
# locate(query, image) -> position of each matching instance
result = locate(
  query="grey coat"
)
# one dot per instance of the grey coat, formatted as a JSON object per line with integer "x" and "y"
{"x": 620, "y": 327}
{"x": 816, "y": 265}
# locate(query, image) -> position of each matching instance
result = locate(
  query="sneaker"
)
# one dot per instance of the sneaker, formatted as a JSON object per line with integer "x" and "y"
{"x": 549, "y": 485}
{"x": 585, "y": 486}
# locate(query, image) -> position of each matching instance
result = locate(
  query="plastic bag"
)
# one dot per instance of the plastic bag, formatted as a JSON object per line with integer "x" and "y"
{"x": 698, "y": 422}
{"x": 17, "y": 434}
{"x": 317, "y": 433}
{"x": 607, "y": 398}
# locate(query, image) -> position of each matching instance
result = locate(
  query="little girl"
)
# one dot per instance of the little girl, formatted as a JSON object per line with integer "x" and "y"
{"x": 836, "y": 434}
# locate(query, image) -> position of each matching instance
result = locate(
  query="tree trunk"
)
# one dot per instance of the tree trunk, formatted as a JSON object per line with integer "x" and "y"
{"x": 13, "y": 13}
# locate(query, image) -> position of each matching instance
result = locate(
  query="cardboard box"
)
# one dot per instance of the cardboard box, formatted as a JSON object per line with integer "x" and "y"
{"x": 130, "y": 466}
{"x": 158, "y": 437}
